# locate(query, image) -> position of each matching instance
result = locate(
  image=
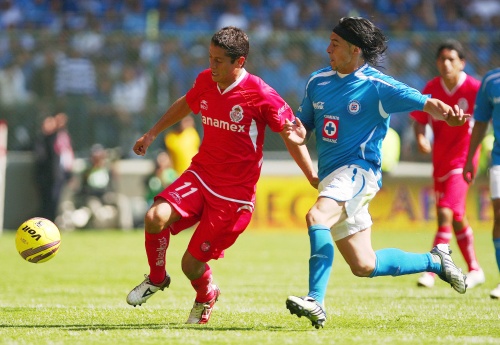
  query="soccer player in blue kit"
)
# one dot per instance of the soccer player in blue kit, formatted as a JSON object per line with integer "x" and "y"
{"x": 486, "y": 109}
{"x": 347, "y": 106}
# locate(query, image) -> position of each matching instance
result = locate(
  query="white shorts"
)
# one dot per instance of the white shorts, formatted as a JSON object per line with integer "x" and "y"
{"x": 356, "y": 187}
{"x": 495, "y": 181}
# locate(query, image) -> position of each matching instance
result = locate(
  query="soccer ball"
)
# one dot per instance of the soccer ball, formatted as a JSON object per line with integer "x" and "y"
{"x": 38, "y": 240}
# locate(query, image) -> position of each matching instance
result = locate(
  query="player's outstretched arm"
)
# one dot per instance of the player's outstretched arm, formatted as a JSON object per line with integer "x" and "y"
{"x": 174, "y": 114}
{"x": 301, "y": 156}
{"x": 454, "y": 116}
{"x": 295, "y": 133}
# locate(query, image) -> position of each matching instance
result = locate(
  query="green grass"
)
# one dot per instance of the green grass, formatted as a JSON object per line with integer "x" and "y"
{"x": 79, "y": 296}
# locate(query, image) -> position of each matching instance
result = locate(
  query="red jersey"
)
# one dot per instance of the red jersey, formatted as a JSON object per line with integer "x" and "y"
{"x": 451, "y": 144}
{"x": 234, "y": 121}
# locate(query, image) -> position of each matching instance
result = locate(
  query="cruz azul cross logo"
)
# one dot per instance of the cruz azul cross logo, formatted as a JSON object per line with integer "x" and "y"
{"x": 330, "y": 128}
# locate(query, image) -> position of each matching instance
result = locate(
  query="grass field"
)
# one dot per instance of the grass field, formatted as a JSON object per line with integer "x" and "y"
{"x": 79, "y": 296}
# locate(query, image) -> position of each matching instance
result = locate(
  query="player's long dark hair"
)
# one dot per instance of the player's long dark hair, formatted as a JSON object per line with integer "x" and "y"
{"x": 364, "y": 34}
{"x": 233, "y": 40}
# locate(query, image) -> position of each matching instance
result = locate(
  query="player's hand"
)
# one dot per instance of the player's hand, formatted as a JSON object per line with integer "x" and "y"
{"x": 469, "y": 173}
{"x": 142, "y": 144}
{"x": 455, "y": 116}
{"x": 295, "y": 132}
{"x": 424, "y": 144}
{"x": 314, "y": 182}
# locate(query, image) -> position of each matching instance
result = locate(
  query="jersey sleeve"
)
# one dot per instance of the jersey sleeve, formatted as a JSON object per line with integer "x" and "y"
{"x": 277, "y": 111}
{"x": 306, "y": 110}
{"x": 193, "y": 95}
{"x": 483, "y": 108}
{"x": 397, "y": 97}
{"x": 421, "y": 116}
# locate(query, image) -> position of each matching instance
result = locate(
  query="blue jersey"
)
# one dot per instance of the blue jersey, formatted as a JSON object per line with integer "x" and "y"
{"x": 350, "y": 115}
{"x": 488, "y": 108}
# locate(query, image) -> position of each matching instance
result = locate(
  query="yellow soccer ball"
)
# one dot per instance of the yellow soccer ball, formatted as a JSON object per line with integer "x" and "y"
{"x": 38, "y": 240}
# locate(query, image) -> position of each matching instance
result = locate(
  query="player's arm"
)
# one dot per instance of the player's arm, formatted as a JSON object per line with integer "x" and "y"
{"x": 423, "y": 143}
{"x": 477, "y": 135}
{"x": 174, "y": 114}
{"x": 454, "y": 116}
{"x": 301, "y": 156}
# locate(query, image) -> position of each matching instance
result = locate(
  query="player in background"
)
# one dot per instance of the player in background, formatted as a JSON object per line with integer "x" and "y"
{"x": 348, "y": 105}
{"x": 182, "y": 143}
{"x": 449, "y": 153}
{"x": 218, "y": 190}
{"x": 486, "y": 109}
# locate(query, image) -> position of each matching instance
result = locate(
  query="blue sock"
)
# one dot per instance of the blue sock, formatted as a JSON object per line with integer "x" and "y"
{"x": 320, "y": 262}
{"x": 496, "y": 243}
{"x": 395, "y": 262}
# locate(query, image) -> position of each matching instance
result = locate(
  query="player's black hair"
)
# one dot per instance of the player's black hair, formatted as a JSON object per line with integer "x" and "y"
{"x": 451, "y": 44}
{"x": 364, "y": 34}
{"x": 234, "y": 40}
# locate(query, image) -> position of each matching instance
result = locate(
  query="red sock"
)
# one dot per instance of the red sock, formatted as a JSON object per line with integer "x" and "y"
{"x": 443, "y": 235}
{"x": 156, "y": 249}
{"x": 203, "y": 286}
{"x": 465, "y": 241}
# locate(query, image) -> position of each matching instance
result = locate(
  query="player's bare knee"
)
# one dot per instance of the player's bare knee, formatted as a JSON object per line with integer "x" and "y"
{"x": 362, "y": 270}
{"x": 314, "y": 216}
{"x": 154, "y": 221}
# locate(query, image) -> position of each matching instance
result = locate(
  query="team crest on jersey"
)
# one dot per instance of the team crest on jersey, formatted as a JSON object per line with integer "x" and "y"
{"x": 354, "y": 107}
{"x": 463, "y": 104}
{"x": 236, "y": 113}
{"x": 204, "y": 105}
{"x": 205, "y": 246}
{"x": 330, "y": 128}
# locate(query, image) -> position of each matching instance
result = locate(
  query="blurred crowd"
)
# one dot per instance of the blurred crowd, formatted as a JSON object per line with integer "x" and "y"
{"x": 134, "y": 16}
{"x": 114, "y": 66}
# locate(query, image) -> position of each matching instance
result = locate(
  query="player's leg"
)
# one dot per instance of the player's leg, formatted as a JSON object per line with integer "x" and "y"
{"x": 207, "y": 293}
{"x": 329, "y": 211}
{"x": 495, "y": 201}
{"x": 465, "y": 241}
{"x": 396, "y": 262}
{"x": 320, "y": 218}
{"x": 444, "y": 231}
{"x": 160, "y": 221}
{"x": 157, "y": 238}
{"x": 495, "y": 293}
{"x": 443, "y": 236}
{"x": 495, "y": 195}
{"x": 221, "y": 223}
{"x": 454, "y": 199}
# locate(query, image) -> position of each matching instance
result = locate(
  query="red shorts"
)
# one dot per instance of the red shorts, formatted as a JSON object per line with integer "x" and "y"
{"x": 452, "y": 193}
{"x": 221, "y": 220}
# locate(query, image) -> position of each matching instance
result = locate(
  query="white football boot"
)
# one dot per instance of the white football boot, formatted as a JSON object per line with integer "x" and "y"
{"x": 145, "y": 290}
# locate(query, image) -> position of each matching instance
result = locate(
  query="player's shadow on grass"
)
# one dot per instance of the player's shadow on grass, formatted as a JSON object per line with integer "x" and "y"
{"x": 168, "y": 325}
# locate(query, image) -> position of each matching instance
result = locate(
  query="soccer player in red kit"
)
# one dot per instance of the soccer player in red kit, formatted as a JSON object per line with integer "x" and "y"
{"x": 218, "y": 190}
{"x": 449, "y": 154}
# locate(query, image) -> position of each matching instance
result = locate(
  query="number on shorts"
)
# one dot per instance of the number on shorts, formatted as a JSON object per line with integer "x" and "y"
{"x": 186, "y": 185}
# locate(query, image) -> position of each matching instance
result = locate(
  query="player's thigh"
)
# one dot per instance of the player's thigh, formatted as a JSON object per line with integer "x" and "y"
{"x": 220, "y": 225}
{"x": 326, "y": 211}
{"x": 452, "y": 194}
{"x": 186, "y": 199}
{"x": 494, "y": 173}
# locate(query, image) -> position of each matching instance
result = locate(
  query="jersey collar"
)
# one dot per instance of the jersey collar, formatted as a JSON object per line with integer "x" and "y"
{"x": 236, "y": 82}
